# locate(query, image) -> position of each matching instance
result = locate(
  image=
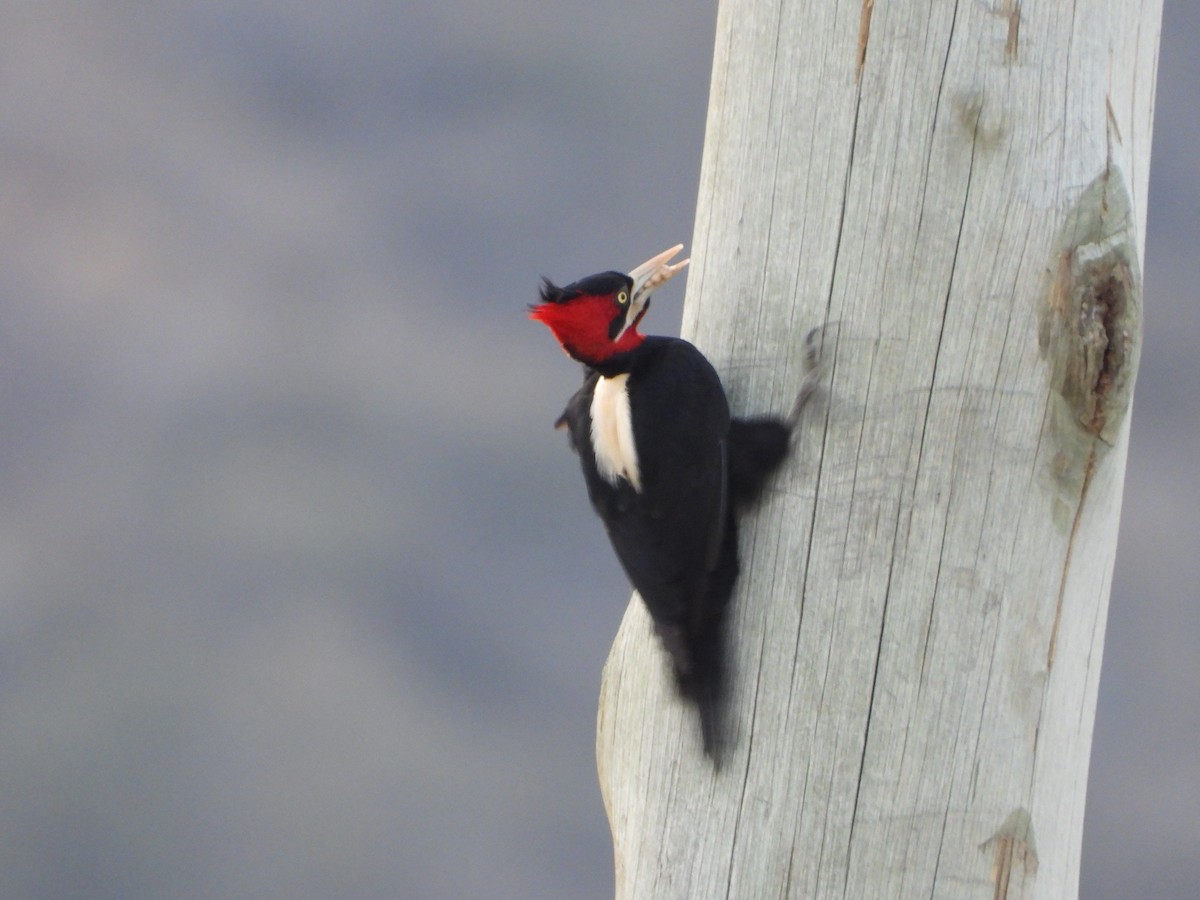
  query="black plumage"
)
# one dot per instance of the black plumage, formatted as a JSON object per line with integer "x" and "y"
{"x": 667, "y": 468}
{"x": 676, "y": 538}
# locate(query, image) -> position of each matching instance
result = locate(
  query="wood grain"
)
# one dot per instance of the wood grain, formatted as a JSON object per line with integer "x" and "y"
{"x": 918, "y": 629}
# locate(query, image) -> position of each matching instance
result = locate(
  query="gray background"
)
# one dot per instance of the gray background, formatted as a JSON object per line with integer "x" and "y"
{"x": 299, "y": 594}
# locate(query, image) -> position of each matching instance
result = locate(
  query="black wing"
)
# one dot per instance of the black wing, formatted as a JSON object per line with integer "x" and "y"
{"x": 675, "y": 537}
{"x": 666, "y": 535}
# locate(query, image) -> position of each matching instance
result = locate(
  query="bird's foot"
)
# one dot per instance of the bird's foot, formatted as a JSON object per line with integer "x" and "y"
{"x": 814, "y": 344}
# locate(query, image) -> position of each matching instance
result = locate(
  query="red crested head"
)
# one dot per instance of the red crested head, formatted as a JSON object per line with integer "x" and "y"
{"x": 595, "y": 319}
{"x": 590, "y": 318}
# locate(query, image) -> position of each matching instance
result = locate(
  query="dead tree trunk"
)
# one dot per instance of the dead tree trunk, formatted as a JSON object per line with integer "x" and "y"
{"x": 960, "y": 189}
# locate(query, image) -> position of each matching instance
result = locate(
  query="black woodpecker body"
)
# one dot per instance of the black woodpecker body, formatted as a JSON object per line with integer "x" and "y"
{"x": 666, "y": 466}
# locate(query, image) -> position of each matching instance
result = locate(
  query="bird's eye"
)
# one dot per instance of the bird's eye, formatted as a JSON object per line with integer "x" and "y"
{"x": 622, "y": 298}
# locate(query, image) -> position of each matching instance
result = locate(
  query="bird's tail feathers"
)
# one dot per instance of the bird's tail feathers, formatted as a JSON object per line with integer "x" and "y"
{"x": 697, "y": 648}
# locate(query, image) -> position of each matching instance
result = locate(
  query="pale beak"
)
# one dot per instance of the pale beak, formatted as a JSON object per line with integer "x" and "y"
{"x": 650, "y": 275}
{"x": 653, "y": 274}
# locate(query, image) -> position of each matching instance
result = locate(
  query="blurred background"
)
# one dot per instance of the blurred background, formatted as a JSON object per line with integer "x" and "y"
{"x": 300, "y": 596}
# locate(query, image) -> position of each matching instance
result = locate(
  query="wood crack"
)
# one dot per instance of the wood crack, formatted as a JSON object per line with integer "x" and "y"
{"x": 1013, "y": 13}
{"x": 864, "y": 35}
{"x": 1012, "y": 845}
{"x": 1088, "y": 471}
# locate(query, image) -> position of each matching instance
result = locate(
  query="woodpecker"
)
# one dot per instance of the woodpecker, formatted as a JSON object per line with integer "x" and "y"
{"x": 667, "y": 467}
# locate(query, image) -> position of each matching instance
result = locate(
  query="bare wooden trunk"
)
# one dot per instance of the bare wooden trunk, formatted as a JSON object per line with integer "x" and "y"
{"x": 960, "y": 189}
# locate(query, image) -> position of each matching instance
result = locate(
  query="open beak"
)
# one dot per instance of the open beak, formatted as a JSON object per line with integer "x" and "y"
{"x": 653, "y": 274}
{"x": 647, "y": 278}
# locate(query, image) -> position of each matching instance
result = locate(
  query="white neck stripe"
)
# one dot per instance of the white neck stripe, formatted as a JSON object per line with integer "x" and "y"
{"x": 612, "y": 432}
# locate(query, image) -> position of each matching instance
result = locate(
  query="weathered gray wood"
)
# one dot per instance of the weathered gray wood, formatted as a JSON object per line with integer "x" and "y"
{"x": 961, "y": 188}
